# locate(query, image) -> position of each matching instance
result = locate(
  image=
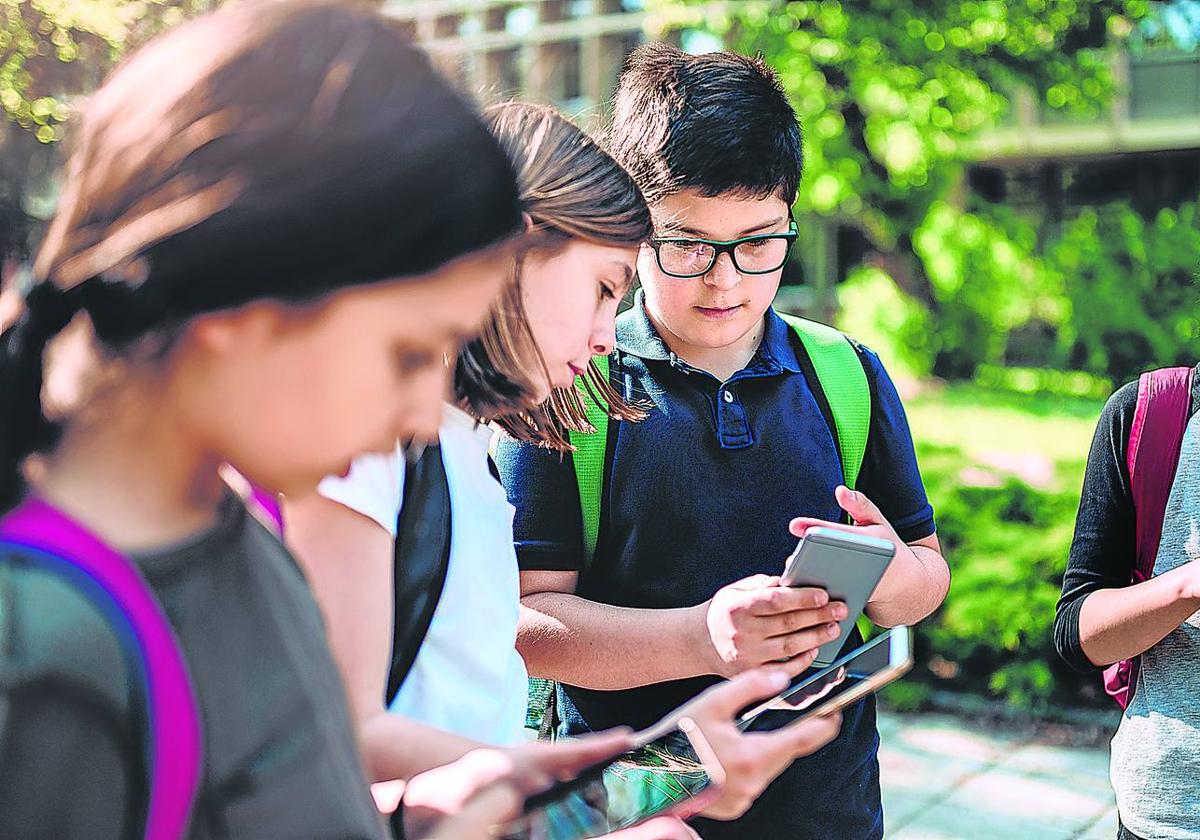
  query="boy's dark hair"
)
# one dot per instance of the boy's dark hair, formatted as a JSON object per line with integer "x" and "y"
{"x": 718, "y": 122}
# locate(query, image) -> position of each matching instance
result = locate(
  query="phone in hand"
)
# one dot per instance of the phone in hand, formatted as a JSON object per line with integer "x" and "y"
{"x": 823, "y": 691}
{"x": 675, "y": 773}
{"x": 848, "y": 566}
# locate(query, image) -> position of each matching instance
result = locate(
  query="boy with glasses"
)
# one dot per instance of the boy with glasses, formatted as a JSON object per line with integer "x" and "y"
{"x": 700, "y": 503}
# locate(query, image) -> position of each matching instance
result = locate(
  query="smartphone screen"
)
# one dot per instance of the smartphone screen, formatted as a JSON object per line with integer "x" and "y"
{"x": 873, "y": 664}
{"x": 661, "y": 776}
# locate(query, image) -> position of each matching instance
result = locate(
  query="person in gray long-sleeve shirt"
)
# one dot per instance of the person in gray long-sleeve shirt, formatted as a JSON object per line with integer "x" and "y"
{"x": 1155, "y": 768}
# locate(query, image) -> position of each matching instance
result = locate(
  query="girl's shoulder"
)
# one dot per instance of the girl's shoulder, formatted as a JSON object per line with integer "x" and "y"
{"x": 54, "y": 633}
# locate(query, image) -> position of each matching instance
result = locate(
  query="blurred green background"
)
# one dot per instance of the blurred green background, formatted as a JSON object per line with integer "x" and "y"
{"x": 999, "y": 197}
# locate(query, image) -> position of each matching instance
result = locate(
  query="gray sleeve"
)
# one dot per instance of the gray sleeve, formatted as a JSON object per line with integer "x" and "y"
{"x": 71, "y": 751}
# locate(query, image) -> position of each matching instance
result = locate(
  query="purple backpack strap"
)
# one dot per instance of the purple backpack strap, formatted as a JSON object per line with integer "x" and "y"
{"x": 174, "y": 717}
{"x": 1163, "y": 407}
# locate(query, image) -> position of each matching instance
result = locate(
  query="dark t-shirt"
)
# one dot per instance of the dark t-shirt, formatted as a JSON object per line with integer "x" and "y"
{"x": 700, "y": 495}
{"x": 1104, "y": 548}
{"x": 280, "y": 754}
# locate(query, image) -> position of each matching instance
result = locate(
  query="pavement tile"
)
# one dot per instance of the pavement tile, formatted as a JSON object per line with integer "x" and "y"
{"x": 919, "y": 773}
{"x": 1104, "y": 828}
{"x": 1071, "y": 766}
{"x": 901, "y": 807}
{"x": 939, "y": 735}
{"x": 889, "y": 724}
{"x": 1051, "y": 803}
{"x": 954, "y": 822}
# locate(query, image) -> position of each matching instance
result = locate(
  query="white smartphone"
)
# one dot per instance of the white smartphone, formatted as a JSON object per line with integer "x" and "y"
{"x": 847, "y": 566}
{"x": 867, "y": 668}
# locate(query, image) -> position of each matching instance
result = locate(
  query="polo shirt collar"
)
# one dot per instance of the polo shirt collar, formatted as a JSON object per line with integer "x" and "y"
{"x": 637, "y": 337}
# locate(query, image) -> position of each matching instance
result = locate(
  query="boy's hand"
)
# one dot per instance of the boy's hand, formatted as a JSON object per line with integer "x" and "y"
{"x": 865, "y": 515}
{"x": 755, "y": 621}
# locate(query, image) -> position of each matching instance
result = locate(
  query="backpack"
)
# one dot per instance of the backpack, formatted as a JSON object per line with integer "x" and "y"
{"x": 423, "y": 533}
{"x": 839, "y": 373}
{"x": 52, "y": 541}
{"x": 1164, "y": 402}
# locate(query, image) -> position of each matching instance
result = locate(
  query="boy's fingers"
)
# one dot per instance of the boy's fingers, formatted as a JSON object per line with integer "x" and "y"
{"x": 755, "y": 582}
{"x": 785, "y": 599}
{"x": 785, "y": 624}
{"x": 495, "y": 803}
{"x": 802, "y": 641}
{"x": 801, "y": 524}
{"x": 797, "y": 665}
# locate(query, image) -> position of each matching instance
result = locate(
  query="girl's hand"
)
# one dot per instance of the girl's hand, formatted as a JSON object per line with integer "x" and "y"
{"x": 488, "y": 786}
{"x": 752, "y": 760}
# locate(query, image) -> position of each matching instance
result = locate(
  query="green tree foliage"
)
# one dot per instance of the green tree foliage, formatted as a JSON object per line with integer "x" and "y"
{"x": 889, "y": 91}
{"x": 891, "y": 94}
{"x": 52, "y": 50}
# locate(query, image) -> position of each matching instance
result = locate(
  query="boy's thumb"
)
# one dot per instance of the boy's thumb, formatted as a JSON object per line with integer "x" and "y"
{"x": 861, "y": 509}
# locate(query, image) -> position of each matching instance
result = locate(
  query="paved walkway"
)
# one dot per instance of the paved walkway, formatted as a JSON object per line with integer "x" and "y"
{"x": 944, "y": 781}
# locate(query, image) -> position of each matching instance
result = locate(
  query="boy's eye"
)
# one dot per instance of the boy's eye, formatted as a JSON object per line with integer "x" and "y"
{"x": 607, "y": 292}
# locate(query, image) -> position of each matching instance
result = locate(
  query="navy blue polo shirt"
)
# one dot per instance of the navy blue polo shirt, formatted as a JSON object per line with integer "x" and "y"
{"x": 699, "y": 495}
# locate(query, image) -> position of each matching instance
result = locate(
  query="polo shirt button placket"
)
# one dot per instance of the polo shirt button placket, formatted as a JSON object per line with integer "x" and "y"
{"x": 728, "y": 395}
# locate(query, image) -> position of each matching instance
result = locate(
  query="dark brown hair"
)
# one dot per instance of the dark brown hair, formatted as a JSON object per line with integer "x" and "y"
{"x": 717, "y": 122}
{"x": 572, "y": 190}
{"x": 271, "y": 150}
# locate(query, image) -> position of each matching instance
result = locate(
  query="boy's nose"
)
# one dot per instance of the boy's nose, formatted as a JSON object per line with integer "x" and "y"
{"x": 723, "y": 275}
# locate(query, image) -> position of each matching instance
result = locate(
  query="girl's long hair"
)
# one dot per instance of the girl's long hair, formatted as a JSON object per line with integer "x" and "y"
{"x": 572, "y": 190}
{"x": 281, "y": 150}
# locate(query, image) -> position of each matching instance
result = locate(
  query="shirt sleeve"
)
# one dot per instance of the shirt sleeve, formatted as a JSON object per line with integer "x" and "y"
{"x": 1104, "y": 548}
{"x": 374, "y": 487}
{"x": 890, "y": 477}
{"x": 547, "y": 526}
{"x": 69, "y": 765}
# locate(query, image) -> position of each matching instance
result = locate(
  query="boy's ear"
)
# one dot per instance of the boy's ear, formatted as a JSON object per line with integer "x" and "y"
{"x": 527, "y": 220}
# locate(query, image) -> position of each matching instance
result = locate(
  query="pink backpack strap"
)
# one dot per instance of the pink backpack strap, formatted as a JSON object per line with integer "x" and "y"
{"x": 174, "y": 717}
{"x": 1155, "y": 439}
{"x": 1160, "y": 419}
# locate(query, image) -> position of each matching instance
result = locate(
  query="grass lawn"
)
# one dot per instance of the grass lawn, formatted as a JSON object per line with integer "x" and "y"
{"x": 987, "y": 429}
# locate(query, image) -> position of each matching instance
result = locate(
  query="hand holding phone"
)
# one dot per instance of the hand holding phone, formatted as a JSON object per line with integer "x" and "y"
{"x": 737, "y": 765}
{"x": 487, "y": 785}
{"x": 755, "y": 621}
{"x": 848, "y": 566}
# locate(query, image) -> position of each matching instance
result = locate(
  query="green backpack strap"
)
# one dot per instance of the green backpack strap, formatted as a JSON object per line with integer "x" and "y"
{"x": 541, "y": 713}
{"x": 844, "y": 382}
{"x": 588, "y": 458}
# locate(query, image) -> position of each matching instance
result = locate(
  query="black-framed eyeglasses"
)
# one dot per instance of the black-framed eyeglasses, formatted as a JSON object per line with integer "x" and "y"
{"x": 762, "y": 253}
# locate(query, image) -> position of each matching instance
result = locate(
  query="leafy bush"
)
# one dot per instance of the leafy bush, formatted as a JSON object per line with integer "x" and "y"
{"x": 1110, "y": 296}
{"x": 1007, "y": 544}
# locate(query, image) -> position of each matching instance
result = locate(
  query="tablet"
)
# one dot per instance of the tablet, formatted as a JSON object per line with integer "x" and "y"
{"x": 846, "y": 565}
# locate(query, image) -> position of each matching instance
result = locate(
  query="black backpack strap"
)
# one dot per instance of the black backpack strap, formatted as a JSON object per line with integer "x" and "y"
{"x": 422, "y": 557}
